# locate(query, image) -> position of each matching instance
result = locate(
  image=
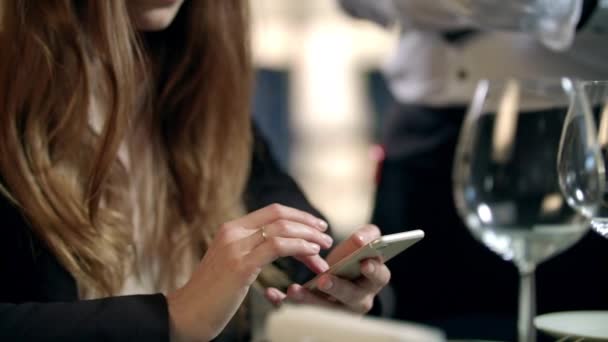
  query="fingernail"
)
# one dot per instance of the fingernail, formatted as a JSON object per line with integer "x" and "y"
{"x": 297, "y": 295}
{"x": 370, "y": 267}
{"x": 360, "y": 239}
{"x": 327, "y": 284}
{"x": 328, "y": 239}
{"x": 324, "y": 266}
{"x": 323, "y": 225}
{"x": 315, "y": 247}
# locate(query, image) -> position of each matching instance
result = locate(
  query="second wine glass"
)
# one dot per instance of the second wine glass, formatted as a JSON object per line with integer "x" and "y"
{"x": 505, "y": 175}
{"x": 571, "y": 178}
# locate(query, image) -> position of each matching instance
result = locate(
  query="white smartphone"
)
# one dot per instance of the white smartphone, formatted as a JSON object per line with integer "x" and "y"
{"x": 384, "y": 247}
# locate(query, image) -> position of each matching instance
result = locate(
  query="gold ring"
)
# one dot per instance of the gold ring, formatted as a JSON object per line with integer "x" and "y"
{"x": 264, "y": 235}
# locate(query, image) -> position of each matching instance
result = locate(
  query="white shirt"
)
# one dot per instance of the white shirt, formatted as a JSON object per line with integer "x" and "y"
{"x": 142, "y": 281}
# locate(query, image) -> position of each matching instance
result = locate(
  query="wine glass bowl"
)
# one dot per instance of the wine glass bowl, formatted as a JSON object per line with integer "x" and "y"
{"x": 506, "y": 182}
{"x": 596, "y": 94}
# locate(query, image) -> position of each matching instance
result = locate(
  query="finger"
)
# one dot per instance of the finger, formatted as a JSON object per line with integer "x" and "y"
{"x": 375, "y": 275}
{"x": 250, "y": 242}
{"x": 299, "y": 294}
{"x": 285, "y": 229}
{"x": 275, "y": 212}
{"x": 361, "y": 237}
{"x": 346, "y": 292}
{"x": 314, "y": 262}
{"x": 292, "y": 229}
{"x": 277, "y": 247}
{"x": 275, "y": 296}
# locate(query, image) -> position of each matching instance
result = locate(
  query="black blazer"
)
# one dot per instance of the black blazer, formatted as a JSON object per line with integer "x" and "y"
{"x": 39, "y": 299}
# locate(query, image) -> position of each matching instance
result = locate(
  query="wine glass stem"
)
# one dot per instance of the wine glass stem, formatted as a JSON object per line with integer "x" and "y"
{"x": 527, "y": 305}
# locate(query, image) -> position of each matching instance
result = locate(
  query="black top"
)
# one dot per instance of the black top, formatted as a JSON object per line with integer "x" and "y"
{"x": 39, "y": 299}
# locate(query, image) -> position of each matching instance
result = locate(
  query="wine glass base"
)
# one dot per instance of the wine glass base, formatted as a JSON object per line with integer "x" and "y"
{"x": 575, "y": 324}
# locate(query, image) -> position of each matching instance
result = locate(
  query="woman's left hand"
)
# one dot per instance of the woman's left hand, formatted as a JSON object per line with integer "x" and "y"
{"x": 355, "y": 295}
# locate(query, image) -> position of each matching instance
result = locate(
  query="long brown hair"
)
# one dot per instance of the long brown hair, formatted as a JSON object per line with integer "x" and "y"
{"x": 189, "y": 85}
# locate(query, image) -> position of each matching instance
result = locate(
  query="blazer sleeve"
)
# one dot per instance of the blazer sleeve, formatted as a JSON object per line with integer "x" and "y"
{"x": 128, "y": 318}
{"x": 268, "y": 183}
{"x": 39, "y": 300}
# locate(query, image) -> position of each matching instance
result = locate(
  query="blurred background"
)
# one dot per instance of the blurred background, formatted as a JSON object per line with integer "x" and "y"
{"x": 319, "y": 95}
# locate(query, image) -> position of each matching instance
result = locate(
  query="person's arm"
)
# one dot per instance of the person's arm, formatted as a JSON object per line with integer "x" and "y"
{"x": 441, "y": 15}
{"x": 129, "y": 318}
{"x": 553, "y": 22}
{"x": 408, "y": 14}
{"x": 45, "y": 308}
{"x": 38, "y": 297}
{"x": 269, "y": 184}
{"x": 381, "y": 12}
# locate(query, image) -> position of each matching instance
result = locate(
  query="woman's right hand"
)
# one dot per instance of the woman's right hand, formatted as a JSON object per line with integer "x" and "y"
{"x": 201, "y": 309}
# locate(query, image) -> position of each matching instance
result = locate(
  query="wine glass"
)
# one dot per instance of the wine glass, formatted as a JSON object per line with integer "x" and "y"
{"x": 505, "y": 175}
{"x": 596, "y": 93}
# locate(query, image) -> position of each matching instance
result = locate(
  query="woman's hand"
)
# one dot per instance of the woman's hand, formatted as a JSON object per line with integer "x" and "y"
{"x": 201, "y": 309}
{"x": 356, "y": 295}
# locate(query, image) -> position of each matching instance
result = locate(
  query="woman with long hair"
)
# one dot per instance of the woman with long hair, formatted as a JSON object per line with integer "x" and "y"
{"x": 136, "y": 197}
